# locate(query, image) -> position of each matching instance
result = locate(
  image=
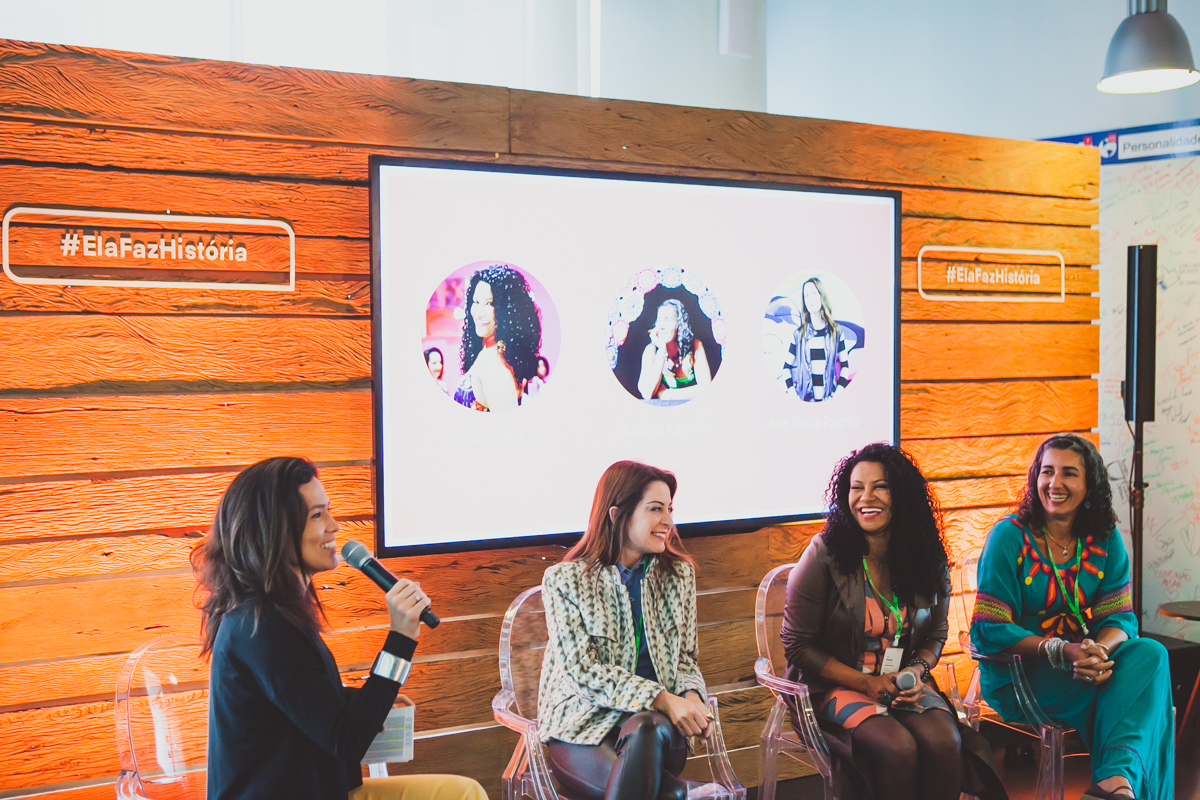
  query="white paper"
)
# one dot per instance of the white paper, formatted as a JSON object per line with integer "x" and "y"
{"x": 891, "y": 660}
{"x": 395, "y": 742}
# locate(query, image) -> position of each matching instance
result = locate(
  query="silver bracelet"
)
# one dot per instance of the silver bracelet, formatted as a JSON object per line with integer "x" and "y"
{"x": 391, "y": 667}
{"x": 1054, "y": 652}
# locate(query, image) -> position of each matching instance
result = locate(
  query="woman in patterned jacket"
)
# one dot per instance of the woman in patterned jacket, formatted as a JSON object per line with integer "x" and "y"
{"x": 1054, "y": 589}
{"x": 620, "y": 687}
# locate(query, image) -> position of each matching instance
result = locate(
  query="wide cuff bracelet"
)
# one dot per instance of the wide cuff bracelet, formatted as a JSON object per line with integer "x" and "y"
{"x": 391, "y": 667}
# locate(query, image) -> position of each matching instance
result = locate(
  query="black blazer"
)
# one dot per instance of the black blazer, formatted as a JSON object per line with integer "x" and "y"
{"x": 280, "y": 723}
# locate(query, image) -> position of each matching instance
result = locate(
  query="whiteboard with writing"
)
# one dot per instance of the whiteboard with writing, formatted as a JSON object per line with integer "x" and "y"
{"x": 1156, "y": 202}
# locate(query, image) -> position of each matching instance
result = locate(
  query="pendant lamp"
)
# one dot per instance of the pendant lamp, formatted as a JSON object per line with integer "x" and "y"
{"x": 1148, "y": 53}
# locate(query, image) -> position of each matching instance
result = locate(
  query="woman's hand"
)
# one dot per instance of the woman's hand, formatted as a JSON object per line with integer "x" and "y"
{"x": 689, "y": 716}
{"x": 405, "y": 602}
{"x": 909, "y": 697}
{"x": 659, "y": 339}
{"x": 880, "y": 688}
{"x": 1093, "y": 665}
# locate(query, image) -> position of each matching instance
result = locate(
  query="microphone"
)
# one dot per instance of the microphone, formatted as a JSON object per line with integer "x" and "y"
{"x": 905, "y": 681}
{"x": 359, "y": 557}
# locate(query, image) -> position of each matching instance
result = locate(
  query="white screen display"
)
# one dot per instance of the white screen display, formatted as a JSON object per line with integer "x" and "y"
{"x": 531, "y": 328}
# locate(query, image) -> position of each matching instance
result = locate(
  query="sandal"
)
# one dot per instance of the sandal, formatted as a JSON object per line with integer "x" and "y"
{"x": 1094, "y": 792}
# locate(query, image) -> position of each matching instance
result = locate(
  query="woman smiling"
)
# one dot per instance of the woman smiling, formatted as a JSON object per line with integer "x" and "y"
{"x": 280, "y": 722}
{"x": 620, "y": 687}
{"x": 866, "y": 605}
{"x": 1054, "y": 589}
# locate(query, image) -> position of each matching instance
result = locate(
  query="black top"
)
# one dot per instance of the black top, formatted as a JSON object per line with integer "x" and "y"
{"x": 280, "y": 723}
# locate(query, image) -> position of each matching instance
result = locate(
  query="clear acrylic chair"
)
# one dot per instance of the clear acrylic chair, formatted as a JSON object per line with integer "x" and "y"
{"x": 160, "y": 695}
{"x": 777, "y": 742}
{"x": 523, "y": 640}
{"x": 1049, "y": 732}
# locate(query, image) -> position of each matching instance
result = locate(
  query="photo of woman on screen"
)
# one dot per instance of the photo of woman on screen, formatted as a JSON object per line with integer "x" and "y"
{"x": 491, "y": 334}
{"x": 807, "y": 345}
{"x": 674, "y": 366}
{"x": 535, "y": 384}
{"x": 501, "y": 335}
{"x": 436, "y": 363}
{"x": 666, "y": 334}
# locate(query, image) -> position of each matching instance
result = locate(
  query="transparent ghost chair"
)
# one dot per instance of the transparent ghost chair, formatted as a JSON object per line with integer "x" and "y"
{"x": 777, "y": 742}
{"x": 523, "y": 640}
{"x": 162, "y": 721}
{"x": 1049, "y": 732}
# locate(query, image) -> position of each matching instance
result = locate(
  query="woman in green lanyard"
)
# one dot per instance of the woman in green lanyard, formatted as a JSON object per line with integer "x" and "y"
{"x": 1054, "y": 588}
{"x": 867, "y": 604}
{"x": 621, "y": 689}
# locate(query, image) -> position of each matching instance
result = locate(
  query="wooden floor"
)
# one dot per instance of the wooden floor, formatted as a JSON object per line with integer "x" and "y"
{"x": 1019, "y": 774}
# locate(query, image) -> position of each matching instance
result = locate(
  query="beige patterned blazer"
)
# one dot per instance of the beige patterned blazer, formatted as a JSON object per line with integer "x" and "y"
{"x": 587, "y": 678}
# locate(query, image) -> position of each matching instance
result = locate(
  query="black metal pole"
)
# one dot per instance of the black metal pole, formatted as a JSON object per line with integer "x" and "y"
{"x": 1137, "y": 501}
{"x": 1140, "y": 316}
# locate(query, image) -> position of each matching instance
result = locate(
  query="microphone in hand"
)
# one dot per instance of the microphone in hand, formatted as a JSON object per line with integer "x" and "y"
{"x": 905, "y": 681}
{"x": 359, "y": 557}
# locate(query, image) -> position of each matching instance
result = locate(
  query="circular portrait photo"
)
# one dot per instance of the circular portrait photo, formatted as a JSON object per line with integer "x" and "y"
{"x": 812, "y": 334}
{"x": 665, "y": 334}
{"x": 491, "y": 336}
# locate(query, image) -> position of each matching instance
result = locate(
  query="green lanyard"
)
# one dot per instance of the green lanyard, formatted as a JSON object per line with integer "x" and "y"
{"x": 892, "y": 605}
{"x": 638, "y": 624}
{"x": 1072, "y": 603}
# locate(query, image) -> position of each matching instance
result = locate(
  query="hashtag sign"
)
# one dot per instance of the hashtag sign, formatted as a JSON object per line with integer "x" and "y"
{"x": 70, "y": 243}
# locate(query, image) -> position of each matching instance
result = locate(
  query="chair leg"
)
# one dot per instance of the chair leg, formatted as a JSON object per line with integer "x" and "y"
{"x": 510, "y": 779}
{"x": 768, "y": 751}
{"x": 1050, "y": 784}
{"x": 830, "y": 788}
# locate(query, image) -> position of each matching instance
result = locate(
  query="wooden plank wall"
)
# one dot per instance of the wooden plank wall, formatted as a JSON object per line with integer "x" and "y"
{"x": 124, "y": 413}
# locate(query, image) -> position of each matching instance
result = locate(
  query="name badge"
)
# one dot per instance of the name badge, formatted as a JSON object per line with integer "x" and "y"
{"x": 891, "y": 660}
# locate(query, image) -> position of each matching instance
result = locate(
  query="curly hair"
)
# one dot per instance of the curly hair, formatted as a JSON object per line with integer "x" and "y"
{"x": 916, "y": 548}
{"x": 1096, "y": 515}
{"x": 252, "y": 551}
{"x": 518, "y": 321}
{"x": 683, "y": 328}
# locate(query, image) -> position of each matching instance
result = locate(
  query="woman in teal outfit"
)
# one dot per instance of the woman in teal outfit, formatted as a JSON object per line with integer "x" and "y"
{"x": 1054, "y": 589}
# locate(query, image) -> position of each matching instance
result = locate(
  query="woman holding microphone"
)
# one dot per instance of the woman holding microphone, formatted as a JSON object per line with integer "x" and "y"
{"x": 864, "y": 622}
{"x": 280, "y": 723}
{"x": 620, "y": 688}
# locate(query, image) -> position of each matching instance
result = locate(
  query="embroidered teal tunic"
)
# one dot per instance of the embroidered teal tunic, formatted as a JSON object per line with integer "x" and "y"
{"x": 1126, "y": 721}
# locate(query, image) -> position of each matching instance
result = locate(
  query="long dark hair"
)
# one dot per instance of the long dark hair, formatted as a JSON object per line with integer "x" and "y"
{"x": 684, "y": 337}
{"x": 623, "y": 485}
{"x": 518, "y": 321}
{"x": 916, "y": 553}
{"x": 1096, "y": 516}
{"x": 253, "y": 549}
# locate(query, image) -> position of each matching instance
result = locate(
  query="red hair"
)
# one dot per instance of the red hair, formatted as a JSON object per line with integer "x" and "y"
{"x": 622, "y": 486}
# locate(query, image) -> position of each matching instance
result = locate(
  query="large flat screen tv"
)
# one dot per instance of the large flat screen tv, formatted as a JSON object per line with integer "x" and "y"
{"x": 532, "y": 326}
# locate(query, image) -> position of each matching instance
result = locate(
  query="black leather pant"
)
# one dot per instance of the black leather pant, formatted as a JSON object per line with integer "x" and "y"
{"x": 639, "y": 759}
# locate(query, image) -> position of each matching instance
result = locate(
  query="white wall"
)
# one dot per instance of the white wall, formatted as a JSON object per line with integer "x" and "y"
{"x": 1153, "y": 202}
{"x": 657, "y": 50}
{"x": 1024, "y": 69}
{"x": 665, "y": 51}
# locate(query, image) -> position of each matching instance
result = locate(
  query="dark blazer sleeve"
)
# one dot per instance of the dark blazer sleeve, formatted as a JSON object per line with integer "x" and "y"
{"x": 805, "y": 612}
{"x": 292, "y": 674}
